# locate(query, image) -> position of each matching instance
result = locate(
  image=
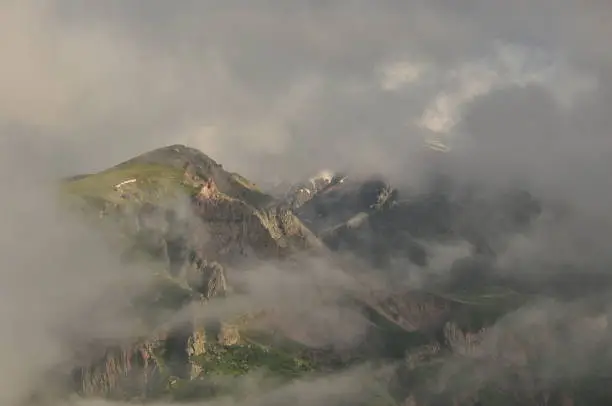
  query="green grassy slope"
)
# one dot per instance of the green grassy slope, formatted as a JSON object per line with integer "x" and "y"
{"x": 160, "y": 174}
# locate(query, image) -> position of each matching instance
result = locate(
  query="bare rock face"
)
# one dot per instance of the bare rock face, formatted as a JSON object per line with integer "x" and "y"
{"x": 463, "y": 343}
{"x": 119, "y": 372}
{"x": 196, "y": 346}
{"x": 206, "y": 278}
{"x": 228, "y": 334}
{"x": 235, "y": 227}
{"x": 303, "y": 192}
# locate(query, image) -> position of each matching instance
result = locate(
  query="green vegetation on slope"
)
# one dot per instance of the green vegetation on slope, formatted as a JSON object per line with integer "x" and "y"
{"x": 223, "y": 366}
{"x": 160, "y": 174}
{"x": 134, "y": 183}
{"x": 181, "y": 158}
{"x": 245, "y": 358}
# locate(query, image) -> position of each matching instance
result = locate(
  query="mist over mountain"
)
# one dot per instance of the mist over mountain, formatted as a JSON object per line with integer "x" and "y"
{"x": 371, "y": 203}
{"x": 173, "y": 279}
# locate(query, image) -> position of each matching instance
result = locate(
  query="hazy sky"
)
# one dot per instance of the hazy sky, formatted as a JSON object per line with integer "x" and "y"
{"x": 272, "y": 87}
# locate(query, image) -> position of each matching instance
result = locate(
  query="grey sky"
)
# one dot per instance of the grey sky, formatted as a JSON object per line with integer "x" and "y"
{"x": 287, "y": 87}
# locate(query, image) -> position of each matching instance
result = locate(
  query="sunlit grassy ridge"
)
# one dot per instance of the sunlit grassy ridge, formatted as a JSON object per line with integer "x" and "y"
{"x": 136, "y": 182}
{"x": 180, "y": 157}
{"x": 160, "y": 174}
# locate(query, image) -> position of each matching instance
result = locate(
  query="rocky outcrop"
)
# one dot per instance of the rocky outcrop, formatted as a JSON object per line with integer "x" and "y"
{"x": 206, "y": 278}
{"x": 303, "y": 192}
{"x": 335, "y": 204}
{"x": 237, "y": 228}
{"x": 196, "y": 346}
{"x": 120, "y": 372}
{"x": 371, "y": 219}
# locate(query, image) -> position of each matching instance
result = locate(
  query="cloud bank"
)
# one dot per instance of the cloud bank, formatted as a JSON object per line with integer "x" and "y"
{"x": 519, "y": 92}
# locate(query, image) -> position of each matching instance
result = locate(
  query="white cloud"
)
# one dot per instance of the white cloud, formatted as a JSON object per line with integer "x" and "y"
{"x": 509, "y": 65}
{"x": 466, "y": 83}
{"x": 400, "y": 74}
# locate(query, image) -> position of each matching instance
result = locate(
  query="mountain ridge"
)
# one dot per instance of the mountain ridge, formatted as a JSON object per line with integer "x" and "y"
{"x": 181, "y": 209}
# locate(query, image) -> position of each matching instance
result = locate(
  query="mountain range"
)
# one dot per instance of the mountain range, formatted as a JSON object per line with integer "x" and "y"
{"x": 333, "y": 277}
